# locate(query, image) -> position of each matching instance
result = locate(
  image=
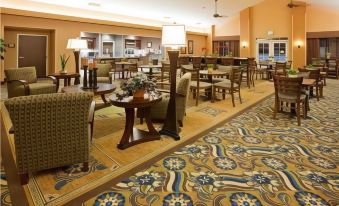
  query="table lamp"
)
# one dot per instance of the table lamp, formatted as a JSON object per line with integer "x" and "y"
{"x": 173, "y": 36}
{"x": 76, "y": 45}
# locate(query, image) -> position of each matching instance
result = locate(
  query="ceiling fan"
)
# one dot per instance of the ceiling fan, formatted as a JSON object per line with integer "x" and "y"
{"x": 216, "y": 14}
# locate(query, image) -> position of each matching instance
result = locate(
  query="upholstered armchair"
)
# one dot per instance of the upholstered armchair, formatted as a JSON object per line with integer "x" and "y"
{"x": 159, "y": 111}
{"x": 50, "y": 130}
{"x": 23, "y": 82}
{"x": 103, "y": 73}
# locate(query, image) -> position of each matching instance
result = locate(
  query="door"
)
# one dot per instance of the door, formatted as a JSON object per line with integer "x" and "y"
{"x": 32, "y": 50}
{"x": 276, "y": 49}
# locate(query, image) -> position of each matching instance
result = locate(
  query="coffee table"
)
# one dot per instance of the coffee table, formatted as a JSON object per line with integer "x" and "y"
{"x": 102, "y": 90}
{"x": 133, "y": 136}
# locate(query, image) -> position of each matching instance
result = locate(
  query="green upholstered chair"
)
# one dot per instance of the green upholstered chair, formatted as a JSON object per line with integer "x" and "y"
{"x": 159, "y": 111}
{"x": 50, "y": 130}
{"x": 23, "y": 81}
{"x": 103, "y": 73}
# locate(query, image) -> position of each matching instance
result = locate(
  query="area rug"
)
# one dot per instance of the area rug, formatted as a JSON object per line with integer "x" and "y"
{"x": 252, "y": 160}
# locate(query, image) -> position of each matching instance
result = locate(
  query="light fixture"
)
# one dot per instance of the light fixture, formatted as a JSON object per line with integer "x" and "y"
{"x": 76, "y": 45}
{"x": 244, "y": 44}
{"x": 173, "y": 36}
{"x": 298, "y": 43}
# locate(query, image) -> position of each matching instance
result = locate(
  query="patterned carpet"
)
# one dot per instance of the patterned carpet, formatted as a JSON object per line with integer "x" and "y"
{"x": 252, "y": 160}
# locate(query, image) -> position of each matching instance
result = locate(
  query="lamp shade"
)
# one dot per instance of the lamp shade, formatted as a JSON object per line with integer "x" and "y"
{"x": 173, "y": 35}
{"x": 76, "y": 44}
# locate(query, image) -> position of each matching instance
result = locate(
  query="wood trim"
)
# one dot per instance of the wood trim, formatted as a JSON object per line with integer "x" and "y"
{"x": 322, "y": 34}
{"x": 17, "y": 12}
{"x": 226, "y": 38}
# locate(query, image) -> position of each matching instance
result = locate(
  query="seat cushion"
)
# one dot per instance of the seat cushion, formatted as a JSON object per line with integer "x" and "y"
{"x": 291, "y": 98}
{"x": 42, "y": 88}
{"x": 217, "y": 80}
{"x": 202, "y": 85}
{"x": 103, "y": 80}
{"x": 225, "y": 84}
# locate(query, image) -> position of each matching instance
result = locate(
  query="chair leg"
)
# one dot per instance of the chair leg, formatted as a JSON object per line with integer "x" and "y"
{"x": 240, "y": 96}
{"x": 213, "y": 94}
{"x": 141, "y": 120}
{"x": 196, "y": 97}
{"x": 24, "y": 178}
{"x": 317, "y": 92}
{"x": 298, "y": 113}
{"x": 321, "y": 91}
{"x": 232, "y": 94}
{"x": 223, "y": 94}
{"x": 85, "y": 167}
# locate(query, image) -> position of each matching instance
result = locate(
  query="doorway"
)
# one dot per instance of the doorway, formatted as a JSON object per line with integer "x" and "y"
{"x": 276, "y": 49}
{"x": 32, "y": 51}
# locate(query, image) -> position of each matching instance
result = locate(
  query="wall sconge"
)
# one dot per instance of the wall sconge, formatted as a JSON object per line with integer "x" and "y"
{"x": 244, "y": 44}
{"x": 298, "y": 44}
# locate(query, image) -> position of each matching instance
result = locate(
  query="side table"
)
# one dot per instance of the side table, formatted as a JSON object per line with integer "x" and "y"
{"x": 66, "y": 77}
{"x": 133, "y": 136}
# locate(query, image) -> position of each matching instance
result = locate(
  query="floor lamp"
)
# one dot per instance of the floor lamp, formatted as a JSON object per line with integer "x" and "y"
{"x": 172, "y": 36}
{"x": 76, "y": 45}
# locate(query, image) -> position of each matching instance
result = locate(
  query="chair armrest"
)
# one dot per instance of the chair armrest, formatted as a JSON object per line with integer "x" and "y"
{"x": 53, "y": 79}
{"x": 91, "y": 112}
{"x": 24, "y": 83}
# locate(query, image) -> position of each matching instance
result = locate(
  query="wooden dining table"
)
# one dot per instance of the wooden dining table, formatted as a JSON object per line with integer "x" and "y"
{"x": 123, "y": 63}
{"x": 213, "y": 73}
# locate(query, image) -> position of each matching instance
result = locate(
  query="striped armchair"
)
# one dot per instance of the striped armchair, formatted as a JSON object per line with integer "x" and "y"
{"x": 23, "y": 82}
{"x": 50, "y": 130}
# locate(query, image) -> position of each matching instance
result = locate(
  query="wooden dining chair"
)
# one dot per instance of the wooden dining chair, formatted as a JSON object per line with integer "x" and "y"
{"x": 289, "y": 90}
{"x": 230, "y": 86}
{"x": 280, "y": 69}
{"x": 318, "y": 84}
{"x": 197, "y": 86}
{"x": 196, "y": 62}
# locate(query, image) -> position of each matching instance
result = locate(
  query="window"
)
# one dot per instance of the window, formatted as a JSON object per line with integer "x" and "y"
{"x": 276, "y": 49}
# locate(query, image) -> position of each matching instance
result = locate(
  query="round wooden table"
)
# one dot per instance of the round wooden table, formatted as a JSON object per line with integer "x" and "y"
{"x": 210, "y": 74}
{"x": 133, "y": 136}
{"x": 102, "y": 90}
{"x": 66, "y": 77}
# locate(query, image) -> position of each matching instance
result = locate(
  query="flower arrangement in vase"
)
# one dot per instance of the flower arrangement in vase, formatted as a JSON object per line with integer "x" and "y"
{"x": 63, "y": 61}
{"x": 138, "y": 85}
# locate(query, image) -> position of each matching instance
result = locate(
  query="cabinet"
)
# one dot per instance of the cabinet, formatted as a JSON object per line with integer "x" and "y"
{"x": 130, "y": 43}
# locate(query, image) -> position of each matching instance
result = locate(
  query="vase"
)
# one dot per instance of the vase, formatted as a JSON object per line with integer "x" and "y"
{"x": 63, "y": 72}
{"x": 139, "y": 94}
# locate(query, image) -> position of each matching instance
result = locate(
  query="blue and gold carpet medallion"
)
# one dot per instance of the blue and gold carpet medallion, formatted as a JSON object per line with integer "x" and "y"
{"x": 252, "y": 160}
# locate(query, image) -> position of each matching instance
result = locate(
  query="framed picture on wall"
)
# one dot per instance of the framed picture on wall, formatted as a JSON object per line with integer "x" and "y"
{"x": 90, "y": 42}
{"x": 190, "y": 46}
{"x": 183, "y": 50}
{"x": 149, "y": 44}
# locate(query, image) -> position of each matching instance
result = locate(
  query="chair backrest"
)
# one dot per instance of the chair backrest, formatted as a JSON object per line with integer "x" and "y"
{"x": 337, "y": 63}
{"x": 184, "y": 60}
{"x": 165, "y": 69}
{"x": 23, "y": 73}
{"x": 236, "y": 76}
{"x": 184, "y": 84}
{"x": 280, "y": 66}
{"x": 227, "y": 61}
{"x": 50, "y": 130}
{"x": 103, "y": 70}
{"x": 288, "y": 86}
{"x": 196, "y": 61}
{"x": 195, "y": 76}
{"x": 303, "y": 73}
{"x": 314, "y": 74}
{"x": 210, "y": 60}
{"x": 288, "y": 65}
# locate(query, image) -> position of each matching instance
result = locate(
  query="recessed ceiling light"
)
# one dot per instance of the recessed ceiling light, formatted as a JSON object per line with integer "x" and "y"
{"x": 93, "y": 4}
{"x": 204, "y": 7}
{"x": 198, "y": 23}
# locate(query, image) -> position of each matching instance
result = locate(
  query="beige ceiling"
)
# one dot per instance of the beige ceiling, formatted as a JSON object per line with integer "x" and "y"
{"x": 195, "y": 14}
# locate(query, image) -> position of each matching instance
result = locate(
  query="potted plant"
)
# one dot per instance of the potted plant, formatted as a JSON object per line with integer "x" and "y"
{"x": 2, "y": 49}
{"x": 137, "y": 85}
{"x": 210, "y": 67}
{"x": 271, "y": 58}
{"x": 292, "y": 73}
{"x": 63, "y": 60}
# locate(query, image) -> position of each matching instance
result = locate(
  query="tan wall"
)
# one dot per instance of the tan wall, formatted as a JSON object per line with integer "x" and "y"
{"x": 270, "y": 15}
{"x": 322, "y": 18}
{"x": 245, "y": 32}
{"x": 299, "y": 35}
{"x": 71, "y": 29}
{"x": 230, "y": 27}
